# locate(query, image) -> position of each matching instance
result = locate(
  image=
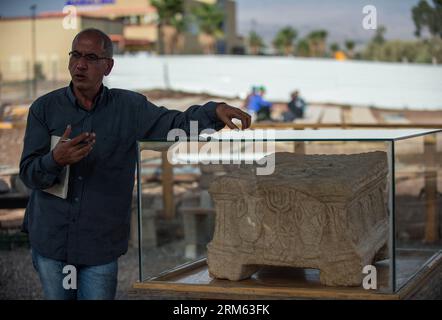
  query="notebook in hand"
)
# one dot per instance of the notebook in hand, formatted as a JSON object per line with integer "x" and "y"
{"x": 60, "y": 188}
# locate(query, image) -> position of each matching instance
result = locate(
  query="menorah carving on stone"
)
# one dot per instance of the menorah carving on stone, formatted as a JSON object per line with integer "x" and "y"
{"x": 327, "y": 212}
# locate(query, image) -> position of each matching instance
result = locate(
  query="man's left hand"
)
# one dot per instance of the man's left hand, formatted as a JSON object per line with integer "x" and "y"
{"x": 226, "y": 113}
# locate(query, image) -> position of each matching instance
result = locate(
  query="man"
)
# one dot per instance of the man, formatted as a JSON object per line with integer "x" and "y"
{"x": 257, "y": 105}
{"x": 264, "y": 106}
{"x": 296, "y": 107}
{"x": 99, "y": 128}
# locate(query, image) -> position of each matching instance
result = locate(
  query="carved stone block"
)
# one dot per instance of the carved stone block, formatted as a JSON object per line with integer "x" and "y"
{"x": 327, "y": 212}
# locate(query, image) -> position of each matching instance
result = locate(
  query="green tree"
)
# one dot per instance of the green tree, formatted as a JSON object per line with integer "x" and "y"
{"x": 379, "y": 37}
{"x": 168, "y": 11}
{"x": 209, "y": 18}
{"x": 256, "y": 44}
{"x": 429, "y": 17}
{"x": 317, "y": 42}
{"x": 284, "y": 40}
{"x": 374, "y": 50}
{"x": 180, "y": 24}
{"x": 334, "y": 47}
{"x": 349, "y": 47}
{"x": 422, "y": 51}
{"x": 303, "y": 48}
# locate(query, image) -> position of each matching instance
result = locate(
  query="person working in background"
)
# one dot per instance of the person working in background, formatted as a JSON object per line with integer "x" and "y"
{"x": 258, "y": 106}
{"x": 296, "y": 108}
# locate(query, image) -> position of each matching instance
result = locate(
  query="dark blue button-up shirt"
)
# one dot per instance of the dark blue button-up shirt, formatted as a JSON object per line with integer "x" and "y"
{"x": 91, "y": 226}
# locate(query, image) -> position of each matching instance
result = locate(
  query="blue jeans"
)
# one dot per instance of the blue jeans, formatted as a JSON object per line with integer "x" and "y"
{"x": 92, "y": 282}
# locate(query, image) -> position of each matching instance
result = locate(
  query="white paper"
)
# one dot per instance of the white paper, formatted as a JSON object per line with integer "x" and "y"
{"x": 59, "y": 189}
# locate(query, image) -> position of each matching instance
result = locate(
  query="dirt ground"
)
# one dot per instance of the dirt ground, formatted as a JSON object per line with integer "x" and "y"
{"x": 19, "y": 280}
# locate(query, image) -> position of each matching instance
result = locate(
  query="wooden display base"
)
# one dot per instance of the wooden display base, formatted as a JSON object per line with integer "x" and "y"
{"x": 192, "y": 281}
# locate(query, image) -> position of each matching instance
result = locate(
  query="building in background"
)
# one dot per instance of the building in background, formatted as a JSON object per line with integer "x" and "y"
{"x": 138, "y": 18}
{"x": 131, "y": 24}
{"x": 141, "y": 32}
{"x": 52, "y": 44}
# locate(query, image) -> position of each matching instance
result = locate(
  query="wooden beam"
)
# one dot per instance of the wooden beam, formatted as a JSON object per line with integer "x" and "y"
{"x": 299, "y": 147}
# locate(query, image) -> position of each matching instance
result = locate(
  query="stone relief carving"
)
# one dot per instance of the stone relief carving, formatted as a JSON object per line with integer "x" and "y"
{"x": 327, "y": 212}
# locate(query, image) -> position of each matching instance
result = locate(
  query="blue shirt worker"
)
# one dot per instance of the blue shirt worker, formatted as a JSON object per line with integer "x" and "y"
{"x": 262, "y": 106}
{"x": 89, "y": 229}
{"x": 257, "y": 102}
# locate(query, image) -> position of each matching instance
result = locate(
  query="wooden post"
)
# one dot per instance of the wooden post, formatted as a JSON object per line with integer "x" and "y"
{"x": 167, "y": 181}
{"x": 432, "y": 221}
{"x": 299, "y": 147}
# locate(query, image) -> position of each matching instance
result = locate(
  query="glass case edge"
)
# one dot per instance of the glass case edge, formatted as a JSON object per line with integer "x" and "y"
{"x": 139, "y": 208}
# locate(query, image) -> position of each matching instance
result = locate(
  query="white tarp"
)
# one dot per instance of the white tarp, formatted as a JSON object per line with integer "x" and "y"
{"x": 390, "y": 85}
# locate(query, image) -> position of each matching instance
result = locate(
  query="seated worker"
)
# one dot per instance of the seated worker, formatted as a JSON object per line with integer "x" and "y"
{"x": 296, "y": 108}
{"x": 262, "y": 106}
{"x": 246, "y": 104}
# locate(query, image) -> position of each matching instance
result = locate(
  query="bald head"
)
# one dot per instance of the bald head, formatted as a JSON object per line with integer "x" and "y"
{"x": 99, "y": 35}
{"x": 90, "y": 60}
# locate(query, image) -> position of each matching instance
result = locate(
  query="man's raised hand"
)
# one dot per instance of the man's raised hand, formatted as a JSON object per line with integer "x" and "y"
{"x": 70, "y": 151}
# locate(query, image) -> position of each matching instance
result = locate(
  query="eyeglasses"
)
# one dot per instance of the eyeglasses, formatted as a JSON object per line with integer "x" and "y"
{"x": 90, "y": 57}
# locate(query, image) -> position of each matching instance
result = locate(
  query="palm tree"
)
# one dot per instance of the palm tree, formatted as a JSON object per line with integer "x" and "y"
{"x": 317, "y": 40}
{"x": 210, "y": 20}
{"x": 284, "y": 40}
{"x": 167, "y": 11}
{"x": 303, "y": 48}
{"x": 334, "y": 47}
{"x": 256, "y": 43}
{"x": 349, "y": 46}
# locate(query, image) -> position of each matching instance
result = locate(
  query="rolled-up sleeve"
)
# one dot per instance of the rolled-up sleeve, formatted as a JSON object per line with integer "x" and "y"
{"x": 155, "y": 122}
{"x": 38, "y": 169}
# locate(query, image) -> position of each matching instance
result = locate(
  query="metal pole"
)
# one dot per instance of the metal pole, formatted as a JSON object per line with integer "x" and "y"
{"x": 392, "y": 218}
{"x": 34, "y": 50}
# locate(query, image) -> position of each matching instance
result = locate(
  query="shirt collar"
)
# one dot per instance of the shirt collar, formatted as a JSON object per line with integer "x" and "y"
{"x": 73, "y": 99}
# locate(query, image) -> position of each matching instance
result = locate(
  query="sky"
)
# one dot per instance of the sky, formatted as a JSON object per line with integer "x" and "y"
{"x": 342, "y": 18}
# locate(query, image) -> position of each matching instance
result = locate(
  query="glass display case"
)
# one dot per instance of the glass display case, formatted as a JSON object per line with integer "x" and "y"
{"x": 354, "y": 211}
